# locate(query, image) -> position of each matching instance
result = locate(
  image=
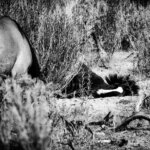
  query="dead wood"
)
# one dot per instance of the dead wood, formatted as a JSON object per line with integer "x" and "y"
{"x": 139, "y": 115}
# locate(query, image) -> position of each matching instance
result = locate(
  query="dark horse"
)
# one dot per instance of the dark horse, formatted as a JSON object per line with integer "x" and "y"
{"x": 16, "y": 55}
{"x": 87, "y": 83}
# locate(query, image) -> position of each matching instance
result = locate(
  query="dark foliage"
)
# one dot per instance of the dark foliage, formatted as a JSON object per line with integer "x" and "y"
{"x": 12, "y": 145}
{"x": 143, "y": 3}
{"x": 34, "y": 69}
{"x": 125, "y": 44}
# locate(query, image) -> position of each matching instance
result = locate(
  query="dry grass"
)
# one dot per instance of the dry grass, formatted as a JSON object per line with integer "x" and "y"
{"x": 30, "y": 115}
{"x": 133, "y": 23}
{"x": 62, "y": 35}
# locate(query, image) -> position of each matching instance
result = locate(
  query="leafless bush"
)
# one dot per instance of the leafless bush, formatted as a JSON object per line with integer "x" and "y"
{"x": 133, "y": 22}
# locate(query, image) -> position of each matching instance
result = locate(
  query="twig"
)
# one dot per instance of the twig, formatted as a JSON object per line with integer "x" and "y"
{"x": 139, "y": 115}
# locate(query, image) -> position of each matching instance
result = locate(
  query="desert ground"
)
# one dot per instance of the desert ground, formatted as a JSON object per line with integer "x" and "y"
{"x": 109, "y": 37}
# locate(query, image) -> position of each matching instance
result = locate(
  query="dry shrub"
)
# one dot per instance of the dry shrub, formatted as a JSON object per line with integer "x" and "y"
{"x": 59, "y": 39}
{"x": 50, "y": 33}
{"x": 28, "y": 114}
{"x": 29, "y": 118}
{"x": 58, "y": 30}
{"x": 58, "y": 47}
{"x": 133, "y": 22}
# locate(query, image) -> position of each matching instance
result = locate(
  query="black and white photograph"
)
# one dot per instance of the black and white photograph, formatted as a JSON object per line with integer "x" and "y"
{"x": 74, "y": 75}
